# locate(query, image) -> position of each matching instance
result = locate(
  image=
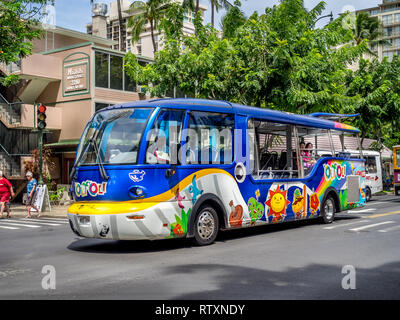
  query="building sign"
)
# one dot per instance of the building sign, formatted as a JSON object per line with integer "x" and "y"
{"x": 75, "y": 78}
{"x": 76, "y": 74}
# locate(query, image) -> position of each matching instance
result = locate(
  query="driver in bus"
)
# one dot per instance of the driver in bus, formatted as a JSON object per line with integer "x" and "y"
{"x": 158, "y": 151}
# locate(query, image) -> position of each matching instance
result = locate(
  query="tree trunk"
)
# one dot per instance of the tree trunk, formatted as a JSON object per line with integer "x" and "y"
{"x": 121, "y": 42}
{"x": 152, "y": 37}
{"x": 212, "y": 13}
{"x": 197, "y": 6}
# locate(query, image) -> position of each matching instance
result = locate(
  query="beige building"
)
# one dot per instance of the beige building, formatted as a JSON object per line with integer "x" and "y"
{"x": 389, "y": 14}
{"x": 73, "y": 74}
{"x": 106, "y": 24}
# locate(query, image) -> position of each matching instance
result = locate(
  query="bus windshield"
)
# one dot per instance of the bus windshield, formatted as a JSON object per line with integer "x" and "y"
{"x": 113, "y": 137}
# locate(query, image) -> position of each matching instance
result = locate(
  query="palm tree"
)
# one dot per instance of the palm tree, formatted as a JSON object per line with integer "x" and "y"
{"x": 121, "y": 44}
{"x": 232, "y": 20}
{"x": 368, "y": 28}
{"x": 216, "y": 5}
{"x": 193, "y": 5}
{"x": 144, "y": 13}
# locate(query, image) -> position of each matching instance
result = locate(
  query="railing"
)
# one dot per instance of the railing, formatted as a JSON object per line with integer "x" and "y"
{"x": 10, "y": 164}
{"x": 10, "y": 111}
{"x": 11, "y": 67}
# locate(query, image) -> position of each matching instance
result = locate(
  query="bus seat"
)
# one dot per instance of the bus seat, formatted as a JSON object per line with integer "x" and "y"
{"x": 345, "y": 155}
{"x": 282, "y": 161}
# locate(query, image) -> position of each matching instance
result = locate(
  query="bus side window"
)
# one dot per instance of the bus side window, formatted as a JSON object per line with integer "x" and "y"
{"x": 274, "y": 154}
{"x": 370, "y": 165}
{"x": 210, "y": 138}
{"x": 166, "y": 132}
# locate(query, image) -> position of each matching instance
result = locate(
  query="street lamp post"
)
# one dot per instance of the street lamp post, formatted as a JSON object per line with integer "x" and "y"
{"x": 328, "y": 15}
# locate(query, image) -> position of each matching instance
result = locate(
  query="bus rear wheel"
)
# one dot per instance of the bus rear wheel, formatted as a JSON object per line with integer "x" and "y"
{"x": 206, "y": 226}
{"x": 328, "y": 210}
{"x": 368, "y": 194}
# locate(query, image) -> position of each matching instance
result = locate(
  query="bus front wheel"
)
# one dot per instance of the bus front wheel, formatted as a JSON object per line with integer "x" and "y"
{"x": 206, "y": 226}
{"x": 328, "y": 210}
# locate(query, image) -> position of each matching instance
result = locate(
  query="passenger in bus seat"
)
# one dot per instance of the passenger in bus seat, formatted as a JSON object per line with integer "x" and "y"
{"x": 308, "y": 161}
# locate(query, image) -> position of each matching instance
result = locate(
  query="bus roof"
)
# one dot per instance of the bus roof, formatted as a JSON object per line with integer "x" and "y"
{"x": 224, "y": 106}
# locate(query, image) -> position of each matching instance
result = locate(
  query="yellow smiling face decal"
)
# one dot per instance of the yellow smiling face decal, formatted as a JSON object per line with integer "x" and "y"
{"x": 277, "y": 203}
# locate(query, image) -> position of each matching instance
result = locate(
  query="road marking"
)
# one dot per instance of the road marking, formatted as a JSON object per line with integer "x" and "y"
{"x": 44, "y": 221}
{"x": 377, "y": 202}
{"x": 383, "y": 214}
{"x": 362, "y": 210}
{"x": 11, "y": 228}
{"x": 56, "y": 219}
{"x": 337, "y": 225}
{"x": 35, "y": 222}
{"x": 371, "y": 226}
{"x": 19, "y": 224}
{"x": 389, "y": 229}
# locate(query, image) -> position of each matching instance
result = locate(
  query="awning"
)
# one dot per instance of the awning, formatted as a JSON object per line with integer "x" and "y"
{"x": 63, "y": 144}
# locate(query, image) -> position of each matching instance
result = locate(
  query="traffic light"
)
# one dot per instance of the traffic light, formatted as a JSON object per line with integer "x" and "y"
{"x": 41, "y": 116}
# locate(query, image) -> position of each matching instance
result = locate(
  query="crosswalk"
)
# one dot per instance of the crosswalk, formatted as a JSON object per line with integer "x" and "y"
{"x": 31, "y": 223}
{"x": 365, "y": 225}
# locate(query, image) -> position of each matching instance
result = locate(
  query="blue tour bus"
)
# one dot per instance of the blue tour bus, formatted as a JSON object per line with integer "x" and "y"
{"x": 170, "y": 168}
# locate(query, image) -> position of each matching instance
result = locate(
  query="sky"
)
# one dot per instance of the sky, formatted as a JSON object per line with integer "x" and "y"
{"x": 75, "y": 14}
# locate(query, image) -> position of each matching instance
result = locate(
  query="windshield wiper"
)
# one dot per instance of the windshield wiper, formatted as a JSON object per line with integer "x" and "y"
{"x": 99, "y": 163}
{"x": 72, "y": 175}
{"x": 103, "y": 172}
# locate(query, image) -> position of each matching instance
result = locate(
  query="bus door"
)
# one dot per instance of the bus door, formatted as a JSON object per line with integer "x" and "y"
{"x": 163, "y": 150}
{"x": 274, "y": 164}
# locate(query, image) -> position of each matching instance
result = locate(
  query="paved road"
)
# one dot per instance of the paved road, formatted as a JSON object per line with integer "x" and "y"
{"x": 289, "y": 261}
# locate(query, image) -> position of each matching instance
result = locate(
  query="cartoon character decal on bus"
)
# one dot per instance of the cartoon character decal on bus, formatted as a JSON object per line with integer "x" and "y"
{"x": 223, "y": 180}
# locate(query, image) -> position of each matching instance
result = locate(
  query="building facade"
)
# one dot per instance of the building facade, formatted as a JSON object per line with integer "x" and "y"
{"x": 73, "y": 74}
{"x": 106, "y": 24}
{"x": 389, "y": 14}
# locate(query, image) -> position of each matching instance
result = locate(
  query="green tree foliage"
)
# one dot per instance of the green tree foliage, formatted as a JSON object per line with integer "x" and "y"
{"x": 19, "y": 21}
{"x": 281, "y": 61}
{"x": 232, "y": 20}
{"x": 377, "y": 87}
{"x": 276, "y": 59}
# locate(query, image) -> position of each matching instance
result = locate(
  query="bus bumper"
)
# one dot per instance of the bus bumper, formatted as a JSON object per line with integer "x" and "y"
{"x": 137, "y": 225}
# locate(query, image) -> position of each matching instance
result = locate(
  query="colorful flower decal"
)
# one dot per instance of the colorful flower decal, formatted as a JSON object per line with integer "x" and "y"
{"x": 314, "y": 203}
{"x": 179, "y": 228}
{"x": 277, "y": 203}
{"x": 256, "y": 209}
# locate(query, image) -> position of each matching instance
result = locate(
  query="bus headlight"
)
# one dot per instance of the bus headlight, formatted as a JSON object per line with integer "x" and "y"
{"x": 84, "y": 219}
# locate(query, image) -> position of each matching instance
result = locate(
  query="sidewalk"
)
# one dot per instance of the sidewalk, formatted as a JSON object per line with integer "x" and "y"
{"x": 18, "y": 210}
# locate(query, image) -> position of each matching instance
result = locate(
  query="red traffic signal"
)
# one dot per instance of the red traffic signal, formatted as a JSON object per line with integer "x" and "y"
{"x": 41, "y": 115}
{"x": 42, "y": 108}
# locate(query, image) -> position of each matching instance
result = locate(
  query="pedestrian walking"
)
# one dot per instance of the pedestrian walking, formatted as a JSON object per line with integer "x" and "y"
{"x": 6, "y": 192}
{"x": 31, "y": 192}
